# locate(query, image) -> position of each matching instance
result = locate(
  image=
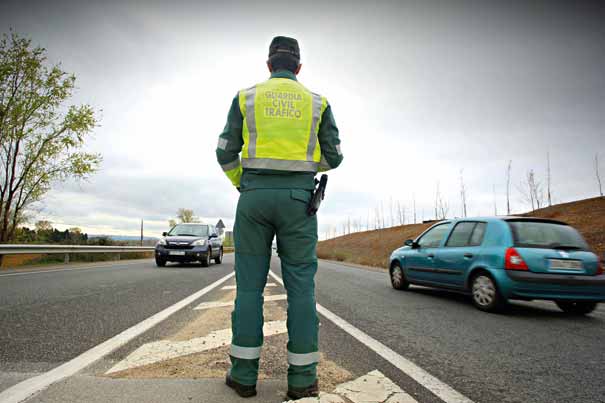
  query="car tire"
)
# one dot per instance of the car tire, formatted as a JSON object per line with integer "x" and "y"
{"x": 219, "y": 258}
{"x": 576, "y": 307}
{"x": 397, "y": 275}
{"x": 159, "y": 262}
{"x": 485, "y": 294}
{"x": 207, "y": 259}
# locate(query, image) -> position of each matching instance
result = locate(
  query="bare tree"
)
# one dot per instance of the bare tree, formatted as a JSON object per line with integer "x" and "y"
{"x": 532, "y": 191}
{"x": 414, "y": 203}
{"x": 548, "y": 179}
{"x": 462, "y": 193}
{"x": 510, "y": 163}
{"x": 441, "y": 206}
{"x": 596, "y": 168}
{"x": 495, "y": 201}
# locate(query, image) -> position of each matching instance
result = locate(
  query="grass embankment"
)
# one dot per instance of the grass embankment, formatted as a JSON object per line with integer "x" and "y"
{"x": 373, "y": 248}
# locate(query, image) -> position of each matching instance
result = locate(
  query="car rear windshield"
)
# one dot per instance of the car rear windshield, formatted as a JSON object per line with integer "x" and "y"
{"x": 544, "y": 234}
{"x": 189, "y": 230}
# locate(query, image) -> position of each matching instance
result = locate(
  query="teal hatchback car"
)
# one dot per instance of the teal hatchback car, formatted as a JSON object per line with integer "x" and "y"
{"x": 498, "y": 259}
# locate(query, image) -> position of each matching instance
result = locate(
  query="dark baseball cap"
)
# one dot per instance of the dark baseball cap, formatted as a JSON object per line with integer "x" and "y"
{"x": 284, "y": 45}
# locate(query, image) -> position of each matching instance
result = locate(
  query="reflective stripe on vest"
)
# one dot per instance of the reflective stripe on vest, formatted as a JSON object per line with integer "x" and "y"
{"x": 246, "y": 353}
{"x": 303, "y": 359}
{"x": 281, "y": 122}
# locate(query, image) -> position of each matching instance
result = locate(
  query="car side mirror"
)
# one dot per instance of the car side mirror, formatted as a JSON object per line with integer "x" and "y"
{"x": 213, "y": 236}
{"x": 411, "y": 243}
{"x": 164, "y": 233}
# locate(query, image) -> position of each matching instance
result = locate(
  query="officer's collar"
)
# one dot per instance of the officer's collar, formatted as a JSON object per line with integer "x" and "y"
{"x": 284, "y": 74}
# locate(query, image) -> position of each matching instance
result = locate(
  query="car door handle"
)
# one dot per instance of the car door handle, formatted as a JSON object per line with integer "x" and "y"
{"x": 468, "y": 255}
{"x": 430, "y": 256}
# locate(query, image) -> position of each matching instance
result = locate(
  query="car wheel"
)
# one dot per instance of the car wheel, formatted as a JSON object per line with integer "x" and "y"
{"x": 398, "y": 280}
{"x": 219, "y": 258}
{"x": 577, "y": 307}
{"x": 486, "y": 296}
{"x": 159, "y": 262}
{"x": 206, "y": 260}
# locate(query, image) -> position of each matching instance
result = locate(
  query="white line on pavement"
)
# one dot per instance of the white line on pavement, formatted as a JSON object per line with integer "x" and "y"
{"x": 234, "y": 287}
{"x": 221, "y": 304}
{"x": 163, "y": 350}
{"x": 440, "y": 389}
{"x": 116, "y": 263}
{"x": 31, "y": 386}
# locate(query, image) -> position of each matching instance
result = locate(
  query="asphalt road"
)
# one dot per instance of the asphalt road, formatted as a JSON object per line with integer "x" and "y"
{"x": 532, "y": 353}
{"x": 50, "y": 317}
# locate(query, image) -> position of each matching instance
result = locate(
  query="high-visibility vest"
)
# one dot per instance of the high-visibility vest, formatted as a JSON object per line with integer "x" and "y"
{"x": 281, "y": 122}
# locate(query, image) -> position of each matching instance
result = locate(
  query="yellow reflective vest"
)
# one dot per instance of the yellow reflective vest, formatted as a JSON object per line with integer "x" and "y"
{"x": 281, "y": 122}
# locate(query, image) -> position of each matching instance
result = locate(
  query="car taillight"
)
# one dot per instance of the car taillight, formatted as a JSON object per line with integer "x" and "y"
{"x": 514, "y": 261}
{"x": 600, "y": 268}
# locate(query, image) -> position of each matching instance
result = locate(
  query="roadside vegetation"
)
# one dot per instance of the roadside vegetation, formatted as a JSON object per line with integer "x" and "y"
{"x": 373, "y": 248}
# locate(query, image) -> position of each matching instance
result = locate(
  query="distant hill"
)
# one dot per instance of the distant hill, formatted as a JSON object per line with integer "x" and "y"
{"x": 373, "y": 248}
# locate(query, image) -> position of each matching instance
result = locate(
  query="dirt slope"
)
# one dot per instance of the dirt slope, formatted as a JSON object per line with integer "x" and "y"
{"x": 372, "y": 248}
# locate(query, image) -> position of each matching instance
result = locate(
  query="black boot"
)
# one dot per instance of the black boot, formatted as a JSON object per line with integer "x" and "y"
{"x": 242, "y": 390}
{"x": 300, "y": 393}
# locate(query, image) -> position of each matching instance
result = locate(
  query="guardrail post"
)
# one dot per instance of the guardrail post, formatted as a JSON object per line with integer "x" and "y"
{"x": 119, "y": 254}
{"x": 66, "y": 260}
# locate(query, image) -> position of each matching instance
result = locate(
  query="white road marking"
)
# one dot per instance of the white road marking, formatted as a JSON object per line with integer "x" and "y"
{"x": 233, "y": 287}
{"x": 221, "y": 304}
{"x": 373, "y": 387}
{"x": 165, "y": 349}
{"x": 440, "y": 389}
{"x": 31, "y": 386}
{"x": 116, "y": 263}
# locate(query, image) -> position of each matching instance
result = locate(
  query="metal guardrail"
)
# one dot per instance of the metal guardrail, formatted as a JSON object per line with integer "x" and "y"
{"x": 49, "y": 249}
{"x": 67, "y": 249}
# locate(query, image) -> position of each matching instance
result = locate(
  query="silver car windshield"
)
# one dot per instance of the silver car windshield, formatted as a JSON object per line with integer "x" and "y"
{"x": 189, "y": 230}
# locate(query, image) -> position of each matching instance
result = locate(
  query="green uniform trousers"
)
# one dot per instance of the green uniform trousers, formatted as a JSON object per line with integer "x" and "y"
{"x": 261, "y": 215}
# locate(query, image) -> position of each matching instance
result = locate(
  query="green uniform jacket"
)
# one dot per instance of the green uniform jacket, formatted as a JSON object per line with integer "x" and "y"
{"x": 271, "y": 179}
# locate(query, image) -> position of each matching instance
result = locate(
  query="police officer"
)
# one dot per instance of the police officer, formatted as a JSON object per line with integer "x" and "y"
{"x": 285, "y": 134}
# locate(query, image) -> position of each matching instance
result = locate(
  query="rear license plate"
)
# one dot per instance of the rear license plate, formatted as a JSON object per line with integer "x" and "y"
{"x": 177, "y": 253}
{"x": 561, "y": 264}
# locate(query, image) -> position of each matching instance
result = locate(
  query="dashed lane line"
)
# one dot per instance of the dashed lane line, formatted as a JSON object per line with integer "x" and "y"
{"x": 221, "y": 304}
{"x": 437, "y": 387}
{"x": 31, "y": 386}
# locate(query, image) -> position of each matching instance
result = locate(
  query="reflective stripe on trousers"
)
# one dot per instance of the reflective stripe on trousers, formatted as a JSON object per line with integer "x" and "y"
{"x": 245, "y": 353}
{"x": 303, "y": 359}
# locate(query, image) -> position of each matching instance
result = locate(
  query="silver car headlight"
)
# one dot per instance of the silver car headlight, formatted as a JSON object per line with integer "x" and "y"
{"x": 199, "y": 242}
{"x": 161, "y": 242}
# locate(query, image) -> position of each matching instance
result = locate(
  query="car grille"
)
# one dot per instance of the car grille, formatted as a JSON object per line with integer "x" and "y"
{"x": 178, "y": 245}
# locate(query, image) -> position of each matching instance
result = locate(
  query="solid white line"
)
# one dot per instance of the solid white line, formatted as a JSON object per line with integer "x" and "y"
{"x": 31, "y": 386}
{"x": 72, "y": 269}
{"x": 440, "y": 389}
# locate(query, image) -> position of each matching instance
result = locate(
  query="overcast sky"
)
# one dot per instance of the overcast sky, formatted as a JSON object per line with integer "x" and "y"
{"x": 420, "y": 91}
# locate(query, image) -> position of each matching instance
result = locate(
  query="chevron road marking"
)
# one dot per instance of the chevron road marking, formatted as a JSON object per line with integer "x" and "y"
{"x": 234, "y": 287}
{"x": 221, "y": 304}
{"x": 165, "y": 349}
